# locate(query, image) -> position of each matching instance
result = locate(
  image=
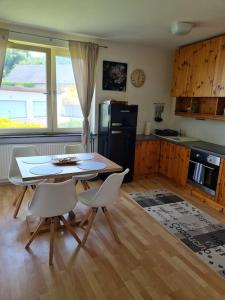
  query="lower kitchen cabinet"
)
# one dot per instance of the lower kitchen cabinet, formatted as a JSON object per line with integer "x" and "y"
{"x": 146, "y": 158}
{"x": 165, "y": 158}
{"x": 174, "y": 161}
{"x": 220, "y": 193}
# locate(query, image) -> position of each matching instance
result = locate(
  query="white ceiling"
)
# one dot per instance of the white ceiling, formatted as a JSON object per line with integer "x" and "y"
{"x": 139, "y": 21}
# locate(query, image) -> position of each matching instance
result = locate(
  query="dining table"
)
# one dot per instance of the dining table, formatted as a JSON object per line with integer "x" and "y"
{"x": 56, "y": 168}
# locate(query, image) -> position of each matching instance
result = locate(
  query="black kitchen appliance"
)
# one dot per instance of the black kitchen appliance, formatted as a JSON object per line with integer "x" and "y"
{"x": 204, "y": 170}
{"x": 117, "y": 134}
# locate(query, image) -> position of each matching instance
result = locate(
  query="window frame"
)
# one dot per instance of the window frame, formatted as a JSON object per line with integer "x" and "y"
{"x": 51, "y": 94}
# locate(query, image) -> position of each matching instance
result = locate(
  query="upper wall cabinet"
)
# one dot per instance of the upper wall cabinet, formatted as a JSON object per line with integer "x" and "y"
{"x": 204, "y": 57}
{"x": 219, "y": 77}
{"x": 181, "y": 71}
{"x": 199, "y": 70}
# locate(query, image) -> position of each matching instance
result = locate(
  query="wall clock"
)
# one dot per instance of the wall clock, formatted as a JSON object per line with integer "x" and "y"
{"x": 137, "y": 77}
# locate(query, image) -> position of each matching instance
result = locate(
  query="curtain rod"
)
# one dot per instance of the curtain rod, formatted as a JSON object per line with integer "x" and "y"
{"x": 48, "y": 37}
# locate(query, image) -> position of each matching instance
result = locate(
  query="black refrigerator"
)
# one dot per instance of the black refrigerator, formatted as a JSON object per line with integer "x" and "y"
{"x": 117, "y": 134}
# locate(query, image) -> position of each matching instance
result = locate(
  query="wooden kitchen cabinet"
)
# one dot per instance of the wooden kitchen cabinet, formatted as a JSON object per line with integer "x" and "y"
{"x": 203, "y": 67}
{"x": 174, "y": 161}
{"x": 220, "y": 192}
{"x": 219, "y": 76}
{"x": 146, "y": 158}
{"x": 199, "y": 69}
{"x": 181, "y": 71}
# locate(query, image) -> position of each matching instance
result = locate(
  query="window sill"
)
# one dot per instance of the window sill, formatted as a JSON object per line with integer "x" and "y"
{"x": 40, "y": 138}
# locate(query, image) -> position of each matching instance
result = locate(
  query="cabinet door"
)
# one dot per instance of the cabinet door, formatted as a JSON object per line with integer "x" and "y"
{"x": 152, "y": 157}
{"x": 220, "y": 192}
{"x": 181, "y": 71}
{"x": 219, "y": 77}
{"x": 164, "y": 158}
{"x": 203, "y": 66}
{"x": 174, "y": 160}
{"x": 146, "y": 158}
{"x": 182, "y": 164}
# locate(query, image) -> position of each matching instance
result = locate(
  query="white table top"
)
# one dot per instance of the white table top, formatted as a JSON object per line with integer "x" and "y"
{"x": 67, "y": 170}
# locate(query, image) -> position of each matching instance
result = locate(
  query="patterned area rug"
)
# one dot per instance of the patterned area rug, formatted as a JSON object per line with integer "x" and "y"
{"x": 204, "y": 235}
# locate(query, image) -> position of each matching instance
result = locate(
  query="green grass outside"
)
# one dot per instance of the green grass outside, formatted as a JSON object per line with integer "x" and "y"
{"x": 7, "y": 123}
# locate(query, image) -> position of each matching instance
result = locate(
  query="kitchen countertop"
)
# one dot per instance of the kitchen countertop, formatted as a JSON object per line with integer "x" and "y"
{"x": 142, "y": 137}
{"x": 199, "y": 145}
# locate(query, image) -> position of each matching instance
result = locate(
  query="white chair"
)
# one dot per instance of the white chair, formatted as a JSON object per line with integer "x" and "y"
{"x": 78, "y": 148}
{"x": 14, "y": 175}
{"x": 100, "y": 198}
{"x": 50, "y": 201}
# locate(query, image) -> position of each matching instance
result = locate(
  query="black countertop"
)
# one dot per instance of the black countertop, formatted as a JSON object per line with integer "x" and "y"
{"x": 199, "y": 145}
{"x": 205, "y": 146}
{"x": 142, "y": 137}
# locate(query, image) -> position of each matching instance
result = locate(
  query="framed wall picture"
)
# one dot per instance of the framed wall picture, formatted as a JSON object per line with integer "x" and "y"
{"x": 114, "y": 76}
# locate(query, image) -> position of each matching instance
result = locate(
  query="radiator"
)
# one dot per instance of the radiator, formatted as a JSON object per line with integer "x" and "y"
{"x": 43, "y": 149}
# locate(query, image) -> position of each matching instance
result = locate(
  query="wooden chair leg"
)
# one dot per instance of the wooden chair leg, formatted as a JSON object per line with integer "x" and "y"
{"x": 70, "y": 229}
{"x": 51, "y": 245}
{"x": 17, "y": 197}
{"x": 94, "y": 211}
{"x": 34, "y": 234}
{"x": 85, "y": 219}
{"x": 87, "y": 185}
{"x": 111, "y": 225}
{"x": 84, "y": 184}
{"x": 18, "y": 204}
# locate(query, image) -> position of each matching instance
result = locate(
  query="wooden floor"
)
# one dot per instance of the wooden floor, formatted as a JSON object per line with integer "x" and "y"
{"x": 150, "y": 263}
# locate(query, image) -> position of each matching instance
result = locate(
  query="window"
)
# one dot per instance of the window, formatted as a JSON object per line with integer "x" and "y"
{"x": 38, "y": 92}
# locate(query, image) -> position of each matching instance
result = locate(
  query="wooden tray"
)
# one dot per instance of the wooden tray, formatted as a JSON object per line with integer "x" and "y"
{"x": 65, "y": 161}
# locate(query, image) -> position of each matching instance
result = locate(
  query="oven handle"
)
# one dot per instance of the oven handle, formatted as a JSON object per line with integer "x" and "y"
{"x": 195, "y": 162}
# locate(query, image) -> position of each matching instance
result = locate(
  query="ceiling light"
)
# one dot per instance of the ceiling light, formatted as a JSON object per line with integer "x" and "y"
{"x": 181, "y": 28}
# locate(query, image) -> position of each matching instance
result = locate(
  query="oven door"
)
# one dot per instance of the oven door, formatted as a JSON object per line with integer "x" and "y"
{"x": 204, "y": 175}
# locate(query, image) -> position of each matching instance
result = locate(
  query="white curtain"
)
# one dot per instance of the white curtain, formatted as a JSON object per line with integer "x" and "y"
{"x": 4, "y": 35}
{"x": 84, "y": 59}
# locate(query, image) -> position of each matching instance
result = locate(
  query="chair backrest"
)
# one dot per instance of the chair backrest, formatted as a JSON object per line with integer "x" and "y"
{"x": 20, "y": 151}
{"x": 53, "y": 199}
{"x": 76, "y": 148}
{"x": 109, "y": 190}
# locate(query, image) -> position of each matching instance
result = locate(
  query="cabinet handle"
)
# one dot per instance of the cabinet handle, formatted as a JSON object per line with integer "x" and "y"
{"x": 116, "y": 132}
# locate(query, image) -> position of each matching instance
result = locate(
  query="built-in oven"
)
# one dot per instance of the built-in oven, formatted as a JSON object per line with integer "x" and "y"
{"x": 204, "y": 170}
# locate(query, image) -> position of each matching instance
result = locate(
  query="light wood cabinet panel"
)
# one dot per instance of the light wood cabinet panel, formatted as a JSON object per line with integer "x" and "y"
{"x": 219, "y": 77}
{"x": 146, "y": 158}
{"x": 174, "y": 161}
{"x": 220, "y": 192}
{"x": 181, "y": 71}
{"x": 164, "y": 157}
{"x": 202, "y": 69}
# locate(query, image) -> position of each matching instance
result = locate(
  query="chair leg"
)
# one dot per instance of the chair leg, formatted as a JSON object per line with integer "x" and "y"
{"x": 34, "y": 234}
{"x": 85, "y": 219}
{"x": 51, "y": 245}
{"x": 85, "y": 185}
{"x": 94, "y": 211}
{"x": 17, "y": 197}
{"x": 19, "y": 201}
{"x": 111, "y": 225}
{"x": 70, "y": 229}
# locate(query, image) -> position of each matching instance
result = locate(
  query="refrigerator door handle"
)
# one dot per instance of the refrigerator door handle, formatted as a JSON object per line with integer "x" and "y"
{"x": 116, "y": 132}
{"x": 117, "y": 124}
{"x": 125, "y": 111}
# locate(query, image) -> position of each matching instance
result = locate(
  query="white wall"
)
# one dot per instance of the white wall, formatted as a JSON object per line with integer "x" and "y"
{"x": 156, "y": 64}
